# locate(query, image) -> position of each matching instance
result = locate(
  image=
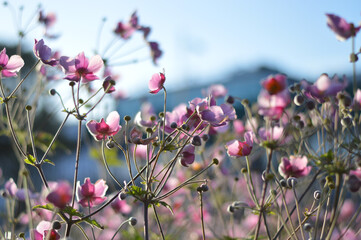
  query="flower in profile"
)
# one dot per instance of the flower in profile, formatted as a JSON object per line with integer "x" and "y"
{"x": 43, "y": 53}
{"x": 48, "y": 20}
{"x": 341, "y": 27}
{"x": 187, "y": 156}
{"x": 324, "y": 87}
{"x": 236, "y": 148}
{"x": 156, "y": 82}
{"x": 155, "y": 52}
{"x": 103, "y": 129}
{"x": 121, "y": 206}
{"x": 216, "y": 90}
{"x": 275, "y": 84}
{"x": 109, "y": 81}
{"x": 61, "y": 195}
{"x": 81, "y": 68}
{"x": 89, "y": 195}
{"x": 42, "y": 231}
{"x": 146, "y": 117}
{"x": 9, "y": 67}
{"x": 295, "y": 166}
{"x": 126, "y": 30}
{"x": 136, "y": 137}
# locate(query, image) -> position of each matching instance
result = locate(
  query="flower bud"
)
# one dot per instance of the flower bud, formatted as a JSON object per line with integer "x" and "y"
{"x": 317, "y": 195}
{"x": 283, "y": 183}
{"x": 204, "y": 187}
{"x": 215, "y": 161}
{"x": 310, "y": 105}
{"x": 122, "y": 195}
{"x": 244, "y": 170}
{"x": 346, "y": 122}
{"x": 185, "y": 127}
{"x": 127, "y": 118}
{"x": 28, "y": 108}
{"x": 173, "y": 125}
{"x": 196, "y": 141}
{"x": 292, "y": 182}
{"x": 56, "y": 225}
{"x": 230, "y": 209}
{"x": 110, "y": 144}
{"x": 307, "y": 227}
{"x": 229, "y": 99}
{"x": 299, "y": 100}
{"x": 353, "y": 183}
{"x": 71, "y": 84}
{"x": 205, "y": 137}
{"x": 52, "y": 92}
{"x": 133, "y": 221}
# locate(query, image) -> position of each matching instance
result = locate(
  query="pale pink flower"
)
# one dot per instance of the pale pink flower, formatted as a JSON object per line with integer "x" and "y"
{"x": 81, "y": 68}
{"x": 144, "y": 117}
{"x": 103, "y": 129}
{"x": 90, "y": 194}
{"x": 357, "y": 99}
{"x": 238, "y": 127}
{"x": 236, "y": 148}
{"x": 9, "y": 67}
{"x": 61, "y": 195}
{"x": 341, "y": 27}
{"x": 295, "y": 166}
{"x": 42, "y": 230}
{"x": 156, "y": 82}
{"x": 43, "y": 53}
{"x": 121, "y": 206}
{"x": 273, "y": 105}
{"x": 216, "y": 90}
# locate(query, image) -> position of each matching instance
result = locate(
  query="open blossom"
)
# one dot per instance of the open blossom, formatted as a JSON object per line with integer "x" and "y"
{"x": 341, "y": 27}
{"x": 42, "y": 231}
{"x": 236, "y": 148}
{"x": 156, "y": 82}
{"x": 275, "y": 84}
{"x": 324, "y": 87}
{"x": 90, "y": 194}
{"x": 9, "y": 67}
{"x": 43, "y": 53}
{"x": 103, "y": 129}
{"x": 81, "y": 68}
{"x": 187, "y": 156}
{"x": 273, "y": 105}
{"x": 295, "y": 166}
{"x": 61, "y": 195}
{"x": 126, "y": 30}
{"x": 215, "y": 90}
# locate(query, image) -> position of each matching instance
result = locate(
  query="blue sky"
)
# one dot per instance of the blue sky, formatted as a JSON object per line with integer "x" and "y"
{"x": 205, "y": 40}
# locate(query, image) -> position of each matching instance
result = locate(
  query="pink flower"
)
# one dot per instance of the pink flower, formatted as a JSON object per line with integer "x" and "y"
{"x": 144, "y": 117}
{"x": 136, "y": 137}
{"x": 121, "y": 206}
{"x": 275, "y": 84}
{"x": 236, "y": 148}
{"x": 340, "y": 27}
{"x": 126, "y": 30}
{"x": 273, "y": 105}
{"x": 156, "y": 53}
{"x": 103, "y": 129}
{"x": 216, "y": 90}
{"x": 9, "y": 67}
{"x": 156, "y": 82}
{"x": 324, "y": 87}
{"x": 90, "y": 194}
{"x": 357, "y": 99}
{"x": 81, "y": 67}
{"x": 47, "y": 20}
{"x": 43, "y": 53}
{"x": 42, "y": 230}
{"x": 216, "y": 115}
{"x": 61, "y": 195}
{"x": 187, "y": 155}
{"x": 106, "y": 84}
{"x": 296, "y": 166}
{"x": 238, "y": 127}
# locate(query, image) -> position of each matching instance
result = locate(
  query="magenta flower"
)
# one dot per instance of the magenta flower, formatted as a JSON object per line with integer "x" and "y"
{"x": 43, "y": 53}
{"x": 295, "y": 166}
{"x": 121, "y": 206}
{"x": 341, "y": 27}
{"x": 216, "y": 115}
{"x": 187, "y": 155}
{"x": 275, "y": 84}
{"x": 61, "y": 195}
{"x": 156, "y": 53}
{"x": 106, "y": 84}
{"x": 89, "y": 195}
{"x": 126, "y": 30}
{"x": 324, "y": 87}
{"x": 103, "y": 129}
{"x": 236, "y": 148}
{"x": 156, "y": 82}
{"x": 9, "y": 67}
{"x": 81, "y": 68}
{"x": 42, "y": 230}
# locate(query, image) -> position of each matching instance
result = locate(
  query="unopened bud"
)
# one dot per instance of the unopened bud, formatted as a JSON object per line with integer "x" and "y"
{"x": 229, "y": 99}
{"x": 307, "y": 227}
{"x": 185, "y": 127}
{"x": 292, "y": 182}
{"x": 173, "y": 125}
{"x": 110, "y": 144}
{"x": 317, "y": 195}
{"x": 310, "y": 105}
{"x": 346, "y": 122}
{"x": 127, "y": 118}
{"x": 230, "y": 209}
{"x": 122, "y": 195}
{"x": 205, "y": 137}
{"x": 299, "y": 99}
{"x": 196, "y": 141}
{"x": 215, "y": 161}
{"x": 283, "y": 183}
{"x": 204, "y": 187}
{"x": 52, "y": 92}
{"x": 56, "y": 225}
{"x": 71, "y": 84}
{"x": 28, "y": 108}
{"x": 133, "y": 221}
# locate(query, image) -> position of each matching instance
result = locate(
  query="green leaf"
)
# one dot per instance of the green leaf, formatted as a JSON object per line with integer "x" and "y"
{"x": 167, "y": 206}
{"x": 30, "y": 160}
{"x": 170, "y": 147}
{"x": 50, "y": 162}
{"x": 136, "y": 191}
{"x": 72, "y": 212}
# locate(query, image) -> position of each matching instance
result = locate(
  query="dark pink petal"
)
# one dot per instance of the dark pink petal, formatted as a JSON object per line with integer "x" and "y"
{"x": 6, "y": 73}
{"x": 72, "y": 77}
{"x": 3, "y": 58}
{"x": 61, "y": 196}
{"x": 89, "y": 77}
{"x": 187, "y": 155}
{"x": 81, "y": 62}
{"x": 340, "y": 27}
{"x": 87, "y": 189}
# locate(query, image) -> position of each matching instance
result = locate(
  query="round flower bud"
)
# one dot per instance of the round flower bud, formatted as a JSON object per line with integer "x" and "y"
{"x": 317, "y": 195}
{"x": 153, "y": 118}
{"x": 346, "y": 122}
{"x": 299, "y": 100}
{"x": 185, "y": 127}
{"x": 215, "y": 161}
{"x": 196, "y": 141}
{"x": 292, "y": 89}
{"x": 149, "y": 130}
{"x": 110, "y": 144}
{"x": 204, "y": 187}
{"x": 28, "y": 108}
{"x": 52, "y": 92}
{"x": 300, "y": 124}
{"x": 229, "y": 99}
{"x": 133, "y": 221}
{"x": 81, "y": 101}
{"x": 127, "y": 118}
{"x": 292, "y": 182}
{"x": 173, "y": 125}
{"x": 230, "y": 209}
{"x": 307, "y": 227}
{"x": 72, "y": 84}
{"x": 161, "y": 114}
{"x": 244, "y": 170}
{"x": 205, "y": 137}
{"x": 122, "y": 196}
{"x": 296, "y": 118}
{"x": 310, "y": 105}
{"x": 245, "y": 102}
{"x": 56, "y": 225}
{"x": 283, "y": 183}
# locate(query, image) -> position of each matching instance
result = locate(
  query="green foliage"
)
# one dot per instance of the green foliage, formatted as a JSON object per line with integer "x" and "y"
{"x": 110, "y": 155}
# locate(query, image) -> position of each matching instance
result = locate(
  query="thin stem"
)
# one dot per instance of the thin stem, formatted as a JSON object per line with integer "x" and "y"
{"x": 31, "y": 135}
{"x": 201, "y": 211}
{"x": 107, "y": 167}
{"x": 298, "y": 213}
{"x": 145, "y": 213}
{"x": 121, "y": 225}
{"x": 158, "y": 222}
{"x": 28, "y": 206}
{"x": 78, "y": 144}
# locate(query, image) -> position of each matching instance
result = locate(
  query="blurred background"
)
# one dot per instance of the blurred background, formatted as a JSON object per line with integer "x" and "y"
{"x": 234, "y": 42}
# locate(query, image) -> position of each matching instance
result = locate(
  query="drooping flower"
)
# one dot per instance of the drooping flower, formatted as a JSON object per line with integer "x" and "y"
{"x": 9, "y": 67}
{"x": 187, "y": 156}
{"x": 341, "y": 27}
{"x": 155, "y": 52}
{"x": 324, "y": 87}
{"x": 106, "y": 83}
{"x": 42, "y": 231}
{"x": 236, "y": 148}
{"x": 295, "y": 166}
{"x": 81, "y": 68}
{"x": 103, "y": 129}
{"x": 136, "y": 137}
{"x": 90, "y": 194}
{"x": 43, "y": 53}
{"x": 146, "y": 116}
{"x": 61, "y": 195}
{"x": 156, "y": 82}
{"x": 275, "y": 84}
